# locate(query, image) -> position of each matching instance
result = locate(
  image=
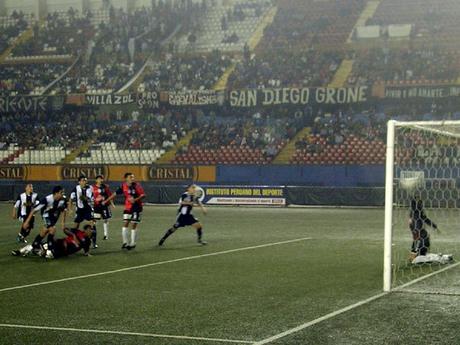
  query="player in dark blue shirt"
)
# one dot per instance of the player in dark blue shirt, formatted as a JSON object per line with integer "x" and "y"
{"x": 51, "y": 208}
{"x": 185, "y": 216}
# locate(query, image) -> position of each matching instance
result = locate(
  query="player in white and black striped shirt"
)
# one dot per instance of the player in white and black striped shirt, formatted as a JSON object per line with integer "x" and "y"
{"x": 22, "y": 208}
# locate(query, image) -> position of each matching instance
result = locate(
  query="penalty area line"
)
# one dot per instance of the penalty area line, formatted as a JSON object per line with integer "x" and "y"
{"x": 350, "y": 307}
{"x": 151, "y": 335}
{"x": 158, "y": 263}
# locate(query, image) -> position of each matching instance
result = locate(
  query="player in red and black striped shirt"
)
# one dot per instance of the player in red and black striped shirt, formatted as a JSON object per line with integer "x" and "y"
{"x": 103, "y": 197}
{"x": 134, "y": 194}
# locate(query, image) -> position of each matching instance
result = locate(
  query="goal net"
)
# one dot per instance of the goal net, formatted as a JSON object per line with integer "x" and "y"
{"x": 422, "y": 207}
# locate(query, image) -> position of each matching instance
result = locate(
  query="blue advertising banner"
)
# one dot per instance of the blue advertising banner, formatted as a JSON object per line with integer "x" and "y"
{"x": 244, "y": 195}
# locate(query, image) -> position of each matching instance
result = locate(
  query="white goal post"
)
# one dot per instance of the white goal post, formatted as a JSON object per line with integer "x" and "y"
{"x": 404, "y": 174}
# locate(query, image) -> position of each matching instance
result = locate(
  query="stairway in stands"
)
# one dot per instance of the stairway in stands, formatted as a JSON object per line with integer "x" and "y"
{"x": 252, "y": 43}
{"x": 285, "y": 155}
{"x": 342, "y": 73}
{"x": 171, "y": 153}
{"x": 367, "y": 13}
{"x": 25, "y": 36}
{"x": 69, "y": 158}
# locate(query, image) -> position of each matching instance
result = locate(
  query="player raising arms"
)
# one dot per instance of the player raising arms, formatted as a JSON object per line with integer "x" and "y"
{"x": 102, "y": 202}
{"x": 185, "y": 216}
{"x": 134, "y": 194}
{"x": 82, "y": 197}
{"x": 51, "y": 208}
{"x": 22, "y": 208}
{"x": 71, "y": 244}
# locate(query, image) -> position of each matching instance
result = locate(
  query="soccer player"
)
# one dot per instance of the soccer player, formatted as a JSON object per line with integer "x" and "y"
{"x": 71, "y": 244}
{"x": 51, "y": 208}
{"x": 134, "y": 194}
{"x": 420, "y": 236}
{"x": 102, "y": 202}
{"x": 21, "y": 210}
{"x": 185, "y": 216}
{"x": 82, "y": 197}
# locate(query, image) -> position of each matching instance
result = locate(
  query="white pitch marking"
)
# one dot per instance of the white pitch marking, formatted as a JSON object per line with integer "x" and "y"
{"x": 155, "y": 264}
{"x": 348, "y": 308}
{"x": 151, "y": 335}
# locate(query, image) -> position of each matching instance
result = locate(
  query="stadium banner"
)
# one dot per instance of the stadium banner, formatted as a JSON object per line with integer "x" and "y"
{"x": 148, "y": 100}
{"x": 168, "y": 174}
{"x": 72, "y": 172}
{"x": 17, "y": 104}
{"x": 195, "y": 97}
{"x": 110, "y": 99}
{"x": 13, "y": 172}
{"x": 244, "y": 195}
{"x": 428, "y": 91}
{"x": 300, "y": 96}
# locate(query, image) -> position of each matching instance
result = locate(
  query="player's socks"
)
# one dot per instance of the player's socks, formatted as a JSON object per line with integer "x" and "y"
{"x": 133, "y": 239}
{"x": 50, "y": 241}
{"x": 124, "y": 235}
{"x": 199, "y": 233}
{"x": 106, "y": 231}
{"x": 37, "y": 242}
{"x": 168, "y": 233}
{"x": 94, "y": 237}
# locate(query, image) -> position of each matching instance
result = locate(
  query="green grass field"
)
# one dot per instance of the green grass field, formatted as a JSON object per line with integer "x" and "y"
{"x": 272, "y": 270}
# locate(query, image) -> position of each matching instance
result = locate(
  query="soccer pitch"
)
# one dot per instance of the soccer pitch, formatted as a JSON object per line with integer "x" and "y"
{"x": 265, "y": 272}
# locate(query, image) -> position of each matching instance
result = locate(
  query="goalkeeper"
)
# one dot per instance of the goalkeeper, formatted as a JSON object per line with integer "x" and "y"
{"x": 421, "y": 237}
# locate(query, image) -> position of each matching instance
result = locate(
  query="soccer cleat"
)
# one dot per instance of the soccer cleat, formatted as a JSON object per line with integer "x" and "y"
{"x": 106, "y": 238}
{"x": 95, "y": 246}
{"x": 21, "y": 239}
{"x": 162, "y": 241}
{"x": 15, "y": 252}
{"x": 130, "y": 247}
{"x": 202, "y": 243}
{"x": 124, "y": 246}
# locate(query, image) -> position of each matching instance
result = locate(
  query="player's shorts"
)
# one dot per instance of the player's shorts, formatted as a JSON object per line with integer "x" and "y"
{"x": 49, "y": 220}
{"x": 132, "y": 216}
{"x": 185, "y": 220}
{"x": 22, "y": 219}
{"x": 102, "y": 212}
{"x": 83, "y": 214}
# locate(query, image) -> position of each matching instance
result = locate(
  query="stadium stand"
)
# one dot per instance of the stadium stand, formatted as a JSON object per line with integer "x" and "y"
{"x": 228, "y": 140}
{"x": 285, "y": 68}
{"x": 405, "y": 66}
{"x": 175, "y": 72}
{"x": 11, "y": 27}
{"x": 430, "y": 19}
{"x": 226, "y": 28}
{"x": 343, "y": 139}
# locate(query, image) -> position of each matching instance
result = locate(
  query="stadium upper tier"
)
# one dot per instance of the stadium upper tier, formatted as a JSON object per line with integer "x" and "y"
{"x": 189, "y": 45}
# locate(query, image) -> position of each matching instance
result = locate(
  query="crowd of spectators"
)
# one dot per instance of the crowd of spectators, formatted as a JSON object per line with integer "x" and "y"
{"x": 174, "y": 72}
{"x": 64, "y": 129}
{"x": 11, "y": 28}
{"x": 145, "y": 131}
{"x": 286, "y": 69}
{"x": 261, "y": 132}
{"x": 28, "y": 78}
{"x": 302, "y": 23}
{"x": 405, "y": 65}
{"x": 335, "y": 128}
{"x": 60, "y": 34}
{"x": 429, "y": 18}
{"x": 120, "y": 47}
